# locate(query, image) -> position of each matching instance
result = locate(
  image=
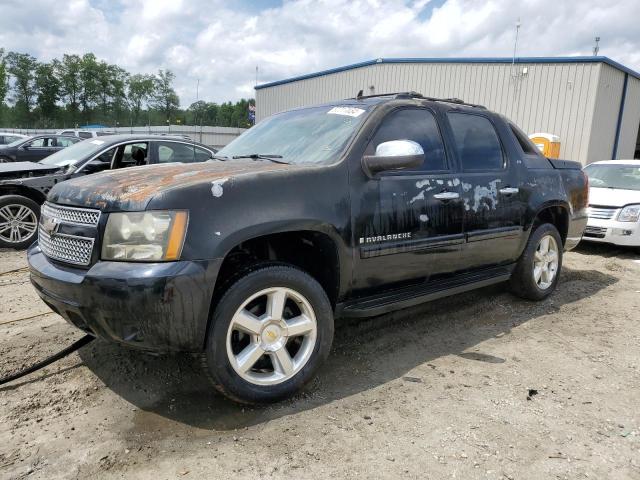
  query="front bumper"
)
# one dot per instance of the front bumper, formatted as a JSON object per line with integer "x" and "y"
{"x": 151, "y": 306}
{"x": 612, "y": 231}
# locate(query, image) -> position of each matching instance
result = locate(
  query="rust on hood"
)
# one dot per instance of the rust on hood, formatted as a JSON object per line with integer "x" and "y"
{"x": 135, "y": 186}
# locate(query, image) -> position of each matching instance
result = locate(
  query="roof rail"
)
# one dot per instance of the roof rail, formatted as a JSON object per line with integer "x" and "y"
{"x": 457, "y": 101}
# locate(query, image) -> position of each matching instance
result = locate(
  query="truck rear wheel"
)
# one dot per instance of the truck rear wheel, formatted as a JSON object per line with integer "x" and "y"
{"x": 18, "y": 221}
{"x": 270, "y": 332}
{"x": 538, "y": 270}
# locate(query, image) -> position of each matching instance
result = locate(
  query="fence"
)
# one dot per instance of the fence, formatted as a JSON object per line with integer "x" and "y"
{"x": 213, "y": 136}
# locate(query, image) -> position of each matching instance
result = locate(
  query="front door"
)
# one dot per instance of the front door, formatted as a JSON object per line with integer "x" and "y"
{"x": 493, "y": 201}
{"x": 408, "y": 224}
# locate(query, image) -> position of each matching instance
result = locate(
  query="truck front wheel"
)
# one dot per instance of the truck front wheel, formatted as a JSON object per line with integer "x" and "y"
{"x": 536, "y": 274}
{"x": 270, "y": 332}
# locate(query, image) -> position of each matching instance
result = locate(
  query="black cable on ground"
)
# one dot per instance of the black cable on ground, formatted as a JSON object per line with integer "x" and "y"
{"x": 48, "y": 361}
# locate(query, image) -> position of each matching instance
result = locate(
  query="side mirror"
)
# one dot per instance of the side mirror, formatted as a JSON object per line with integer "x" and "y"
{"x": 25, "y": 147}
{"x": 96, "y": 166}
{"x": 393, "y": 155}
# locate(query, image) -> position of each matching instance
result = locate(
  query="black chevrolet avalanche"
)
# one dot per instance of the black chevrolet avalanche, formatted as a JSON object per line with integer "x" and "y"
{"x": 350, "y": 209}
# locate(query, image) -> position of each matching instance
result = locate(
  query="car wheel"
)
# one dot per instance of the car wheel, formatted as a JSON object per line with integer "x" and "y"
{"x": 538, "y": 270}
{"x": 270, "y": 332}
{"x": 4, "y": 159}
{"x": 18, "y": 221}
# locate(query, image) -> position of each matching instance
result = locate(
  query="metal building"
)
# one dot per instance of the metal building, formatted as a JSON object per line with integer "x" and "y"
{"x": 591, "y": 103}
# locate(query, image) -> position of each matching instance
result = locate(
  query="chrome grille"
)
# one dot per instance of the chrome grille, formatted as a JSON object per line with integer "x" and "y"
{"x": 604, "y": 213}
{"x": 595, "y": 232}
{"x": 80, "y": 216}
{"x": 66, "y": 248}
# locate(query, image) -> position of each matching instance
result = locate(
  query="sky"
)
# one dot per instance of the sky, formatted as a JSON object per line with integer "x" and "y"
{"x": 220, "y": 43}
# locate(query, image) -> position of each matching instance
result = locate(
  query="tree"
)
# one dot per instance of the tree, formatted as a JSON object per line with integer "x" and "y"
{"x": 140, "y": 89}
{"x": 68, "y": 71}
{"x": 165, "y": 98}
{"x": 47, "y": 88}
{"x": 4, "y": 82}
{"x": 89, "y": 89}
{"x": 22, "y": 67}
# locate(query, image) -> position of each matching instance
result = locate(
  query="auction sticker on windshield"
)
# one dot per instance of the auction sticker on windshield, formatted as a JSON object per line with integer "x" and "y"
{"x": 348, "y": 111}
{"x": 97, "y": 142}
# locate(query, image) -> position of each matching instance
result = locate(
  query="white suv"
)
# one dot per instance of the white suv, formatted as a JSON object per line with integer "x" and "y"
{"x": 84, "y": 133}
{"x": 614, "y": 202}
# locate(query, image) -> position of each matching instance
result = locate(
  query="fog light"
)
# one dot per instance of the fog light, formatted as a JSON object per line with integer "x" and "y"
{"x": 622, "y": 232}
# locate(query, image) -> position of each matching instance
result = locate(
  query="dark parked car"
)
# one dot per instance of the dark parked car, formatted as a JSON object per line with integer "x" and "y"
{"x": 33, "y": 149}
{"x": 24, "y": 185}
{"x": 354, "y": 208}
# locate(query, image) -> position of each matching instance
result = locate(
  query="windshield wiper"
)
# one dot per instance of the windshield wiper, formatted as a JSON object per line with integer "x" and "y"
{"x": 258, "y": 156}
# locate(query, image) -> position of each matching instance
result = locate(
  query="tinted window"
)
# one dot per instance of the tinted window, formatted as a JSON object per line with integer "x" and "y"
{"x": 133, "y": 154}
{"x": 175, "y": 152}
{"x": 527, "y": 145}
{"x": 68, "y": 132}
{"x": 418, "y": 125}
{"x": 64, "y": 142}
{"x": 476, "y": 141}
{"x": 85, "y": 134}
{"x": 39, "y": 142}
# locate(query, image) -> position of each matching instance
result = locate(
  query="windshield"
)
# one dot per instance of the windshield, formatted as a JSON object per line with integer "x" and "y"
{"x": 626, "y": 177}
{"x": 77, "y": 152}
{"x": 15, "y": 143}
{"x": 312, "y": 136}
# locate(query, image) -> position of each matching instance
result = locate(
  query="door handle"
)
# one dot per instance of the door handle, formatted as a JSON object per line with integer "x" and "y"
{"x": 509, "y": 190}
{"x": 447, "y": 195}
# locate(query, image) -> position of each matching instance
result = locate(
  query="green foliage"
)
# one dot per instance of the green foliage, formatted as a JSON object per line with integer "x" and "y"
{"x": 77, "y": 90}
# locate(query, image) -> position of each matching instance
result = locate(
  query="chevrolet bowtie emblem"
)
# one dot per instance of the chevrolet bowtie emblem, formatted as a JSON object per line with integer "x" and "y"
{"x": 50, "y": 225}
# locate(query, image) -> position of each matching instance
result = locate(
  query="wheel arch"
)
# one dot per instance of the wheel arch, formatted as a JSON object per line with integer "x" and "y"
{"x": 24, "y": 191}
{"x": 555, "y": 213}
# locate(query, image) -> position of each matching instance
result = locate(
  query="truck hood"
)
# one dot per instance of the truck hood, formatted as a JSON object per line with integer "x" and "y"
{"x": 132, "y": 188}
{"x": 613, "y": 197}
{"x": 24, "y": 169}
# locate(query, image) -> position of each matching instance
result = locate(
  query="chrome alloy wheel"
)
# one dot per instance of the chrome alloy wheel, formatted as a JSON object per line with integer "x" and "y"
{"x": 17, "y": 223}
{"x": 545, "y": 262}
{"x": 271, "y": 336}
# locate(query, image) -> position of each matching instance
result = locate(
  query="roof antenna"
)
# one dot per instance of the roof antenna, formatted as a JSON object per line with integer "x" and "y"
{"x": 359, "y": 95}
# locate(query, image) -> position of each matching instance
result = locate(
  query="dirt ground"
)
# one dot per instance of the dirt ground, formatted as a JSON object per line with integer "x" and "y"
{"x": 482, "y": 385}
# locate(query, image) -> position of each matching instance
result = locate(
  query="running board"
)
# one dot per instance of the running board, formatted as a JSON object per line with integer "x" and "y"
{"x": 415, "y": 295}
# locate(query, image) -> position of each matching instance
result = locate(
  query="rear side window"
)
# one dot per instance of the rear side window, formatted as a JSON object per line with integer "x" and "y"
{"x": 175, "y": 152}
{"x": 418, "y": 125}
{"x": 527, "y": 145}
{"x": 477, "y": 142}
{"x": 85, "y": 134}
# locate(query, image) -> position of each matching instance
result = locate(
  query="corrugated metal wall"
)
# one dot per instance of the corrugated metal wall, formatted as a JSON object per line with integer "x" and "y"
{"x": 630, "y": 118}
{"x": 558, "y": 98}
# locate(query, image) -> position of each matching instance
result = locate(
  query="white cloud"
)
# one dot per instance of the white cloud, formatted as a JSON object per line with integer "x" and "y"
{"x": 221, "y": 43}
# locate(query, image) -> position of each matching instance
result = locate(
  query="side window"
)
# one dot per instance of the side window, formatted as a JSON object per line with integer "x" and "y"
{"x": 527, "y": 145}
{"x": 418, "y": 125}
{"x": 68, "y": 132}
{"x": 477, "y": 142}
{"x": 133, "y": 154}
{"x": 84, "y": 134}
{"x": 202, "y": 155}
{"x": 64, "y": 142}
{"x": 38, "y": 142}
{"x": 175, "y": 152}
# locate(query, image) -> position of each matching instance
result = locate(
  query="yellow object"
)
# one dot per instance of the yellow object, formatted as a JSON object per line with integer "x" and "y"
{"x": 548, "y": 144}
{"x": 176, "y": 236}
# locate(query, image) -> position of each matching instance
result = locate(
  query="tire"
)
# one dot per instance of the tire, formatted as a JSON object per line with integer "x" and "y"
{"x": 246, "y": 356}
{"x": 525, "y": 281}
{"x": 25, "y": 214}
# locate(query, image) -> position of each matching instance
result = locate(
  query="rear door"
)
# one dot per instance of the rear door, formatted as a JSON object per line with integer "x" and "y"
{"x": 408, "y": 226}
{"x": 493, "y": 203}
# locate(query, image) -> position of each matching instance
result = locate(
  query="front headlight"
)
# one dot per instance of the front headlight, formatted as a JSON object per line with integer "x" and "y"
{"x": 152, "y": 236}
{"x": 629, "y": 214}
